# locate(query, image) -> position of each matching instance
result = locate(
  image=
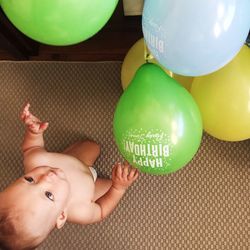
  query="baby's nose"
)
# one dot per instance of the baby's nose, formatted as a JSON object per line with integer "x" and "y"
{"x": 49, "y": 176}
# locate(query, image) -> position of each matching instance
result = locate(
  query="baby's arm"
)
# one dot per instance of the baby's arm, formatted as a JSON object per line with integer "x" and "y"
{"x": 123, "y": 175}
{"x": 34, "y": 130}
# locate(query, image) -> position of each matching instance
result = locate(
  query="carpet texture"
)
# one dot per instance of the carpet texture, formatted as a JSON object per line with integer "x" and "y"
{"x": 206, "y": 205}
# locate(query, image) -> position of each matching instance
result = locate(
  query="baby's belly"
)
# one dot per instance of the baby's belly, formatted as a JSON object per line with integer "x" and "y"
{"x": 82, "y": 186}
{"x": 79, "y": 176}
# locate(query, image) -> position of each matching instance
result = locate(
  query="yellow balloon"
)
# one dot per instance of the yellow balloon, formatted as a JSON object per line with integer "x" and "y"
{"x": 135, "y": 58}
{"x": 185, "y": 81}
{"x": 224, "y": 99}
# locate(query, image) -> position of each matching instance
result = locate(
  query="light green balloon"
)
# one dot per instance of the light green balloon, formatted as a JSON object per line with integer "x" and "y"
{"x": 157, "y": 124}
{"x": 59, "y": 22}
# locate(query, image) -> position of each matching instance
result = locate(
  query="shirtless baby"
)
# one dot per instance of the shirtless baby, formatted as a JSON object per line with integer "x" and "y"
{"x": 56, "y": 187}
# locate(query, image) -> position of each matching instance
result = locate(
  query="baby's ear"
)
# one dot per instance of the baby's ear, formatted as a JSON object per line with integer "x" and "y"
{"x": 61, "y": 219}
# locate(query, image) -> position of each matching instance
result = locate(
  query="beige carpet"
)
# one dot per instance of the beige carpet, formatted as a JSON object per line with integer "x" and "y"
{"x": 206, "y": 205}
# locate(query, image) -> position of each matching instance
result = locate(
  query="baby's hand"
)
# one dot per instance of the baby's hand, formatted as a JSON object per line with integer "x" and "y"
{"x": 123, "y": 175}
{"x": 33, "y": 123}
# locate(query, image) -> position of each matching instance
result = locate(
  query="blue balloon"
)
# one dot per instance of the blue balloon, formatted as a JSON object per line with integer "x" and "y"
{"x": 195, "y": 37}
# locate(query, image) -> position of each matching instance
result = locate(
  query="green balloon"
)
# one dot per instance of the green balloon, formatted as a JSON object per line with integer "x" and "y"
{"x": 59, "y": 22}
{"x": 157, "y": 124}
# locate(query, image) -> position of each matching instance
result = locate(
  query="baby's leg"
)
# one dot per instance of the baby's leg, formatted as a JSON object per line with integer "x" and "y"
{"x": 85, "y": 151}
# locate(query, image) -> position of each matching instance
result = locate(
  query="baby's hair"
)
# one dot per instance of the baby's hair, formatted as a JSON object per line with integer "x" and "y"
{"x": 10, "y": 237}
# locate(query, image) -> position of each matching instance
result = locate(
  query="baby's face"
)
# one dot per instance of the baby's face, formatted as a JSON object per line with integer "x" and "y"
{"x": 41, "y": 195}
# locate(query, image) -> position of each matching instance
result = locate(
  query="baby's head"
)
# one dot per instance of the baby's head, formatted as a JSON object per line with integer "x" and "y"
{"x": 32, "y": 206}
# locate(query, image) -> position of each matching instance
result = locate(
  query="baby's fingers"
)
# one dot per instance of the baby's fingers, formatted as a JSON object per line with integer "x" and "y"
{"x": 29, "y": 121}
{"x": 117, "y": 170}
{"x": 125, "y": 171}
{"x": 43, "y": 126}
{"x": 133, "y": 175}
{"x": 38, "y": 128}
{"x": 25, "y": 113}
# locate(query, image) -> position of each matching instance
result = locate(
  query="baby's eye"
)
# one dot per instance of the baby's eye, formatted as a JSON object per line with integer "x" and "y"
{"x": 29, "y": 179}
{"x": 49, "y": 195}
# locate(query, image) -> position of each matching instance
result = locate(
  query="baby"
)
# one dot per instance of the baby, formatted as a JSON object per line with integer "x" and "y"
{"x": 56, "y": 187}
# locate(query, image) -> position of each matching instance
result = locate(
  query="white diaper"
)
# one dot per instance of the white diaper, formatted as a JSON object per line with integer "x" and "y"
{"x": 93, "y": 172}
